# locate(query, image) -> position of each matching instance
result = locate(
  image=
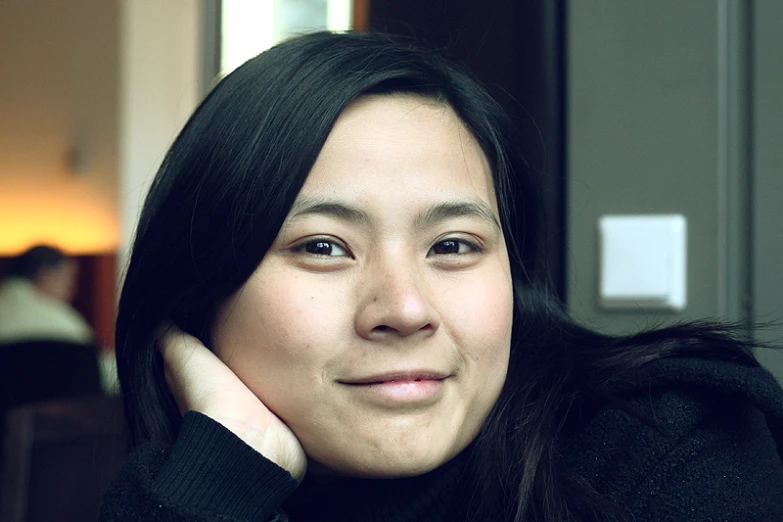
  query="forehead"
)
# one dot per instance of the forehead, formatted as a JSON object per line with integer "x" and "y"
{"x": 401, "y": 143}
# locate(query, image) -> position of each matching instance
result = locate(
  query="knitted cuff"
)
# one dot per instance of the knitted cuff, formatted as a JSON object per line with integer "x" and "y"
{"x": 211, "y": 470}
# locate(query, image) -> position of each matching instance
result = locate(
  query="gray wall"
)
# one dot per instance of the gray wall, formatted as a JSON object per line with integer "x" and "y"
{"x": 662, "y": 119}
{"x": 767, "y": 157}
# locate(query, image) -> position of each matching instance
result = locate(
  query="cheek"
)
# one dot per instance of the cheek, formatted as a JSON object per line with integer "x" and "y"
{"x": 272, "y": 333}
{"x": 482, "y": 315}
{"x": 272, "y": 317}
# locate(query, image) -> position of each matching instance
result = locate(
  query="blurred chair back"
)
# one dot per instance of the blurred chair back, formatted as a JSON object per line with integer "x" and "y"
{"x": 33, "y": 371}
{"x": 58, "y": 458}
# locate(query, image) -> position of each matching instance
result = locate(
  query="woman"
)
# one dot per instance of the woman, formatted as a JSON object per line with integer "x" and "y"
{"x": 328, "y": 281}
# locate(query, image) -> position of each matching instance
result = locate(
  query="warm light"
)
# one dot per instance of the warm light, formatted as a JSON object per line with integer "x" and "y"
{"x": 68, "y": 215}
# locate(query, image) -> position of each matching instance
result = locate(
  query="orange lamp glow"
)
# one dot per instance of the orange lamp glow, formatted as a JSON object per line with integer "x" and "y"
{"x": 68, "y": 215}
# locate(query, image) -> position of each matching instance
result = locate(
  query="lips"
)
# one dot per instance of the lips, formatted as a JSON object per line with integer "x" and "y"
{"x": 403, "y": 376}
{"x": 399, "y": 391}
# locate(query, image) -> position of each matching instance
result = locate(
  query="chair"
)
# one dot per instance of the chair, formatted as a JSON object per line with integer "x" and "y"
{"x": 33, "y": 371}
{"x": 58, "y": 458}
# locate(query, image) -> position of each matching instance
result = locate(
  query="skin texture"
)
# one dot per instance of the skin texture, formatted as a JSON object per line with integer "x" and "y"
{"x": 391, "y": 260}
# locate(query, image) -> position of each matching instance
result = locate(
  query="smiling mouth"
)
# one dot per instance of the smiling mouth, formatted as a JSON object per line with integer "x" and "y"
{"x": 370, "y": 383}
{"x": 400, "y": 377}
{"x": 408, "y": 389}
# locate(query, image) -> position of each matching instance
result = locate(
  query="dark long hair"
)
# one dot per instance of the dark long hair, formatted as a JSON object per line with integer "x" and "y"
{"x": 226, "y": 186}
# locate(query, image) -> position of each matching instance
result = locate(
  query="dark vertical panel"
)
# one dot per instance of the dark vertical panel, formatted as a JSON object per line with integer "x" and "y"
{"x": 516, "y": 48}
{"x": 210, "y": 44}
{"x": 538, "y": 83}
{"x": 361, "y": 15}
{"x": 96, "y": 294}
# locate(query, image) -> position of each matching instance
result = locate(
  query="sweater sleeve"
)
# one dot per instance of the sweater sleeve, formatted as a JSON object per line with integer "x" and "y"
{"x": 702, "y": 458}
{"x": 209, "y": 474}
{"x": 725, "y": 468}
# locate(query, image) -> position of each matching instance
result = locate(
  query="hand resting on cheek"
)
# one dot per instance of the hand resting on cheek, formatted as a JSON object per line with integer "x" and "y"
{"x": 201, "y": 382}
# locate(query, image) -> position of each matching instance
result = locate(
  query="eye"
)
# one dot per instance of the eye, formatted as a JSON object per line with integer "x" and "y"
{"x": 322, "y": 247}
{"x": 453, "y": 246}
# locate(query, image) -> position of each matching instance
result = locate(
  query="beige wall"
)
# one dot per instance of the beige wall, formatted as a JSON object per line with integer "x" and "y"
{"x": 109, "y": 80}
{"x": 159, "y": 88}
{"x": 58, "y": 91}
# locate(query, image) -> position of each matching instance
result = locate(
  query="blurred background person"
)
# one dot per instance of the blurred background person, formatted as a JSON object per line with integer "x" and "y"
{"x": 35, "y": 299}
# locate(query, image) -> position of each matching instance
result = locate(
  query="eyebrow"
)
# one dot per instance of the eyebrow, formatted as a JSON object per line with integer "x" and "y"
{"x": 445, "y": 211}
{"x": 435, "y": 214}
{"x": 307, "y": 205}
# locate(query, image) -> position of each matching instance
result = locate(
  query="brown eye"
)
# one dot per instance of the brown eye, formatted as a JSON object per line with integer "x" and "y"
{"x": 323, "y": 247}
{"x": 452, "y": 247}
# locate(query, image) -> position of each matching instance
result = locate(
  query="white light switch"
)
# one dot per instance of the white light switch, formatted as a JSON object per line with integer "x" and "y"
{"x": 643, "y": 262}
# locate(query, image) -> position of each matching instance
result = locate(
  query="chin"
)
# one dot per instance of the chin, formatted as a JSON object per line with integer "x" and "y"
{"x": 382, "y": 463}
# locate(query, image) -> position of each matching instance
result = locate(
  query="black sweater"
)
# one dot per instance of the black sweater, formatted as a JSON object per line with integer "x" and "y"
{"x": 712, "y": 453}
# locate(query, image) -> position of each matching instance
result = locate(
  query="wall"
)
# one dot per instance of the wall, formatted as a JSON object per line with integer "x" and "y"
{"x": 160, "y": 86}
{"x": 58, "y": 124}
{"x": 92, "y": 93}
{"x": 642, "y": 136}
{"x": 767, "y": 160}
{"x": 663, "y": 118}
{"x": 114, "y": 79}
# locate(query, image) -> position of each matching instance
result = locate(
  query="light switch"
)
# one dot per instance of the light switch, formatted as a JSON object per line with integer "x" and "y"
{"x": 643, "y": 262}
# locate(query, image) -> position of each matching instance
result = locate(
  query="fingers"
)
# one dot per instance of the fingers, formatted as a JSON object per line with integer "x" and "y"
{"x": 200, "y": 381}
{"x": 186, "y": 360}
{"x": 170, "y": 349}
{"x": 177, "y": 347}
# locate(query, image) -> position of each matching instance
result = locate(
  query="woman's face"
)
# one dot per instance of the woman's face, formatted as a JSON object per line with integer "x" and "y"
{"x": 378, "y": 325}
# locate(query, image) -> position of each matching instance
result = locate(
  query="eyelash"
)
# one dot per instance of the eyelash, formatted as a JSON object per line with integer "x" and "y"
{"x": 331, "y": 244}
{"x": 472, "y": 247}
{"x": 322, "y": 241}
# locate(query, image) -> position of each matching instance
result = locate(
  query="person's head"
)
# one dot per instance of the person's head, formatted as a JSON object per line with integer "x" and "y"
{"x": 49, "y": 269}
{"x": 342, "y": 211}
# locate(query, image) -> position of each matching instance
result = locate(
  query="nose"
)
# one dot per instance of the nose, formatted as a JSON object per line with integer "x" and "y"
{"x": 395, "y": 302}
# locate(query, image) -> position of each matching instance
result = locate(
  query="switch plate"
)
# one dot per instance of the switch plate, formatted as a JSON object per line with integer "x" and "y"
{"x": 643, "y": 262}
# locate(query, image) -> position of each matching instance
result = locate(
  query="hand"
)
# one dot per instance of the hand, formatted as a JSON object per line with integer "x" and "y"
{"x": 201, "y": 382}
